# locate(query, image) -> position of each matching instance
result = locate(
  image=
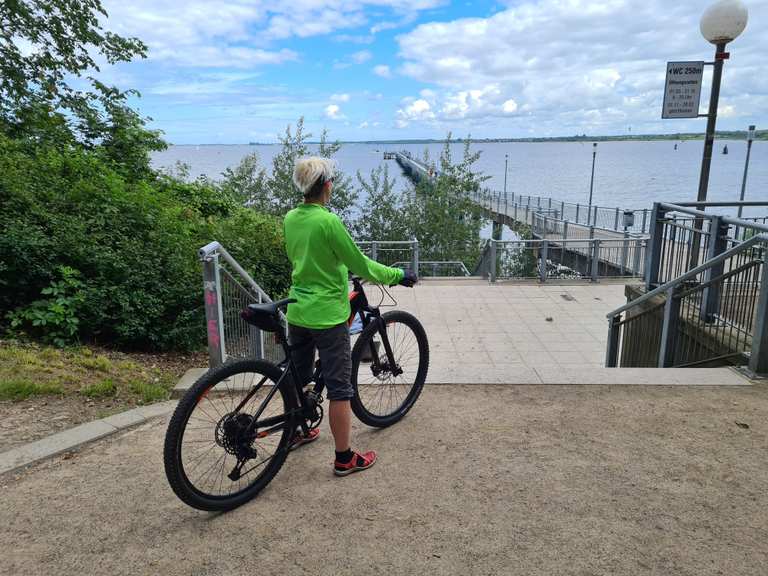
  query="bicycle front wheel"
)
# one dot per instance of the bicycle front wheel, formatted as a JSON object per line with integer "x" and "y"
{"x": 384, "y": 393}
{"x": 229, "y": 435}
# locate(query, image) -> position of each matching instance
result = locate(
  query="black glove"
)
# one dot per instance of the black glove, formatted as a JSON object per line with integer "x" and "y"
{"x": 409, "y": 279}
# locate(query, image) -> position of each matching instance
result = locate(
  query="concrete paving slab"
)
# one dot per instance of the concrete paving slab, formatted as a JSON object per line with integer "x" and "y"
{"x": 186, "y": 381}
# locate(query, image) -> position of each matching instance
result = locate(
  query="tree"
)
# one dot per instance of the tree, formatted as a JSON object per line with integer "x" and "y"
{"x": 441, "y": 212}
{"x": 381, "y": 217}
{"x": 276, "y": 193}
{"x": 43, "y": 45}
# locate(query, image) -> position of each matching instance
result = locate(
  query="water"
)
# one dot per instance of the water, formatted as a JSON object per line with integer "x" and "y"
{"x": 627, "y": 174}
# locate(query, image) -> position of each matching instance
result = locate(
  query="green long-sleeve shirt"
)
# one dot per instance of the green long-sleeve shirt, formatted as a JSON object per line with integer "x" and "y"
{"x": 321, "y": 252}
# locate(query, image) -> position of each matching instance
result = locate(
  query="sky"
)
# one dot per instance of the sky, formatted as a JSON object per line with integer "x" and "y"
{"x": 240, "y": 71}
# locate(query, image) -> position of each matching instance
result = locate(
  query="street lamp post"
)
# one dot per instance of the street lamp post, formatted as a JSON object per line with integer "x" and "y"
{"x": 721, "y": 23}
{"x": 750, "y": 137}
{"x": 506, "y": 158}
{"x": 592, "y": 181}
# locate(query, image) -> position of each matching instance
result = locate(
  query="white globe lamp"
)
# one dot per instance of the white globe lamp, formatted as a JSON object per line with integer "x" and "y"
{"x": 723, "y": 21}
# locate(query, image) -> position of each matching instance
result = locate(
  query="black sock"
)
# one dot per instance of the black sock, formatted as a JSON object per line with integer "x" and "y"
{"x": 344, "y": 457}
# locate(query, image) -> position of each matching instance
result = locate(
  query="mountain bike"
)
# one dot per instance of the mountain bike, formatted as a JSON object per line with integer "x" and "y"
{"x": 231, "y": 432}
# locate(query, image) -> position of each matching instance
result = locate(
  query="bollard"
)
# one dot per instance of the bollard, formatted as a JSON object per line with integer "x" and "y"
{"x": 374, "y": 250}
{"x": 415, "y": 256}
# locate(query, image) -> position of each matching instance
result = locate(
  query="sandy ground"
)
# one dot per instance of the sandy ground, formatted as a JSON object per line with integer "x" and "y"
{"x": 476, "y": 480}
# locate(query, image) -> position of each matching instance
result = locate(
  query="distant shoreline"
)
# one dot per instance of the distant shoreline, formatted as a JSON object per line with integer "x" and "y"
{"x": 725, "y": 135}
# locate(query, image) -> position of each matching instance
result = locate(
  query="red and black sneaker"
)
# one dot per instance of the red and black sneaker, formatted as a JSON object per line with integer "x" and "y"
{"x": 356, "y": 463}
{"x": 300, "y": 439}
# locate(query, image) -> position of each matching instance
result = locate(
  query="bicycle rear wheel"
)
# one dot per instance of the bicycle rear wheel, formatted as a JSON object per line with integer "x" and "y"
{"x": 384, "y": 393}
{"x": 213, "y": 459}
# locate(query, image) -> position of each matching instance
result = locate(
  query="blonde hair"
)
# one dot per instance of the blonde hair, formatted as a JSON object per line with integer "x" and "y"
{"x": 309, "y": 170}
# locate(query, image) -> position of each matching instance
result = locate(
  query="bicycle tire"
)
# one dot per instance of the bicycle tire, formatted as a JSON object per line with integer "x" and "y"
{"x": 362, "y": 407}
{"x": 173, "y": 452}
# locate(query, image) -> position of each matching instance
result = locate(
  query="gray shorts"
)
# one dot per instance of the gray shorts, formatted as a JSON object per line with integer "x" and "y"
{"x": 333, "y": 347}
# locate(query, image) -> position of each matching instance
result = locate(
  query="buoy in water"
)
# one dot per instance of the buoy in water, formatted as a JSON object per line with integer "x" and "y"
{"x": 725, "y": 149}
{"x": 675, "y": 146}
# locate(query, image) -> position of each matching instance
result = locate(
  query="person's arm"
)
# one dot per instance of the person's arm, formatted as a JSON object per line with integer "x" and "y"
{"x": 348, "y": 252}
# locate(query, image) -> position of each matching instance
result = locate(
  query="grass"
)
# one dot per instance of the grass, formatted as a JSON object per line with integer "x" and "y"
{"x": 102, "y": 389}
{"x": 149, "y": 392}
{"x": 119, "y": 379}
{"x": 22, "y": 389}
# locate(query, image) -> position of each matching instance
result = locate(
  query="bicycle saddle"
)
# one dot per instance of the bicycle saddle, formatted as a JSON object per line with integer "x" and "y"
{"x": 266, "y": 316}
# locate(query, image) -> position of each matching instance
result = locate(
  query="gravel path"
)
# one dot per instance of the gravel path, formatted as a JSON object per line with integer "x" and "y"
{"x": 477, "y": 480}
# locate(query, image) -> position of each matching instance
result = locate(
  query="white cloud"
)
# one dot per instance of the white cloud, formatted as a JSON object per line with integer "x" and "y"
{"x": 340, "y": 97}
{"x": 239, "y": 32}
{"x": 382, "y": 70}
{"x": 564, "y": 64}
{"x": 413, "y": 110}
{"x": 509, "y": 106}
{"x": 362, "y": 56}
{"x": 333, "y": 112}
{"x": 363, "y": 124}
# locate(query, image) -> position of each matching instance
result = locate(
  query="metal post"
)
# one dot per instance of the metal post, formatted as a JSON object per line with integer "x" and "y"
{"x": 706, "y": 160}
{"x": 624, "y": 252}
{"x": 718, "y": 243}
{"x": 592, "y": 179}
{"x": 594, "y": 217}
{"x": 653, "y": 251}
{"x": 492, "y": 263}
{"x": 577, "y": 212}
{"x": 612, "y": 350}
{"x": 616, "y": 221}
{"x": 645, "y": 218}
{"x": 506, "y": 159}
{"x": 565, "y": 230}
{"x": 669, "y": 330}
{"x": 638, "y": 244}
{"x": 543, "y": 254}
{"x": 550, "y": 203}
{"x": 758, "y": 356}
{"x": 562, "y": 210}
{"x": 595, "y": 259}
{"x": 591, "y": 232}
{"x": 750, "y": 137}
{"x": 374, "y": 250}
{"x": 213, "y": 312}
{"x": 415, "y": 256}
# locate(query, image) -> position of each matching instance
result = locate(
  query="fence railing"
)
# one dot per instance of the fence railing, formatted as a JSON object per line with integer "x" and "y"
{"x": 436, "y": 267}
{"x": 521, "y": 207}
{"x": 392, "y": 252}
{"x": 682, "y": 236}
{"x": 228, "y": 288}
{"x": 584, "y": 259}
{"x": 715, "y": 312}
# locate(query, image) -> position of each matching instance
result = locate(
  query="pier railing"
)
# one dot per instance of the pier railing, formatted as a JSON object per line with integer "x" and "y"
{"x": 521, "y": 207}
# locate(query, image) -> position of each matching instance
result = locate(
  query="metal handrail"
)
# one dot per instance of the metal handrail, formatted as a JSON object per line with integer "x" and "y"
{"x": 690, "y": 274}
{"x": 207, "y": 252}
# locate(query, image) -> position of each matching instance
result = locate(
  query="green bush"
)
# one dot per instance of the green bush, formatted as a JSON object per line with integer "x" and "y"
{"x": 55, "y": 318}
{"x": 102, "y": 389}
{"x": 134, "y": 243}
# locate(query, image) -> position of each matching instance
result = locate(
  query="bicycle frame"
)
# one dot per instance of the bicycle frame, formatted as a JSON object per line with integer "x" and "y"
{"x": 359, "y": 306}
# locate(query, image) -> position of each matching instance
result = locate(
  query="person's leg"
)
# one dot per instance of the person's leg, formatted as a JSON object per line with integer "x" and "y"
{"x": 303, "y": 356}
{"x": 340, "y": 419}
{"x": 336, "y": 358}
